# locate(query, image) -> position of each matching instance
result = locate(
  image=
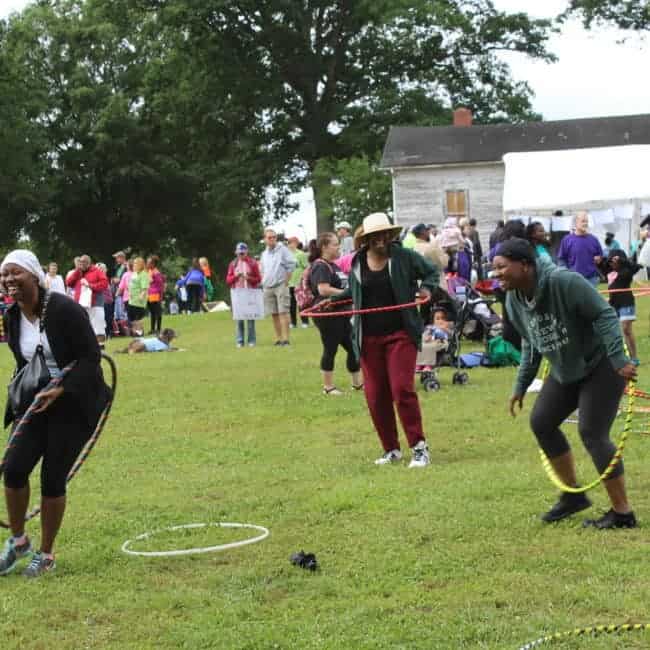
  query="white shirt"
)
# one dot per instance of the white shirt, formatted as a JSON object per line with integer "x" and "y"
{"x": 30, "y": 338}
{"x": 55, "y": 283}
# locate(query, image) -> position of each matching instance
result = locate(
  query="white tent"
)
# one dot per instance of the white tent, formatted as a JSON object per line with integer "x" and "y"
{"x": 610, "y": 182}
{"x": 575, "y": 178}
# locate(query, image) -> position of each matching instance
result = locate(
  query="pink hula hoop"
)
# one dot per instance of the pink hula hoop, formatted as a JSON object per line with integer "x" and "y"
{"x": 315, "y": 312}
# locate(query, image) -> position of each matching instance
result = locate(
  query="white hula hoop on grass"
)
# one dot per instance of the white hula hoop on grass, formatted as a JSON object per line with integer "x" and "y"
{"x": 193, "y": 551}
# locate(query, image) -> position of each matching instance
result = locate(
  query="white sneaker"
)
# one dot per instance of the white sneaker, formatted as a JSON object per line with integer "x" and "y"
{"x": 304, "y": 326}
{"x": 420, "y": 455}
{"x": 392, "y": 456}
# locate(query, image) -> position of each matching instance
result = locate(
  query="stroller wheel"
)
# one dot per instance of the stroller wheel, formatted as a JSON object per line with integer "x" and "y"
{"x": 460, "y": 378}
{"x": 431, "y": 385}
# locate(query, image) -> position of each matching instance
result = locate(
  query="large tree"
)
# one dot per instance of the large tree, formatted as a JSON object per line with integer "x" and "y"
{"x": 626, "y": 14}
{"x": 130, "y": 161}
{"x": 326, "y": 78}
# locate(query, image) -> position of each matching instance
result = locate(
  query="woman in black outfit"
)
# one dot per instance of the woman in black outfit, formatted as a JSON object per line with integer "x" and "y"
{"x": 67, "y": 415}
{"x": 327, "y": 280}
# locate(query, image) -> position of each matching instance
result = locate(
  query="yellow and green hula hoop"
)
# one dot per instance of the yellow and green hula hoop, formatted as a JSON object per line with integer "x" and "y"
{"x": 587, "y": 631}
{"x": 616, "y": 458}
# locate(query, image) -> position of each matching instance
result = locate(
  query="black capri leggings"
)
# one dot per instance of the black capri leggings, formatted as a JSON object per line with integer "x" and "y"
{"x": 335, "y": 332}
{"x": 155, "y": 312}
{"x": 57, "y": 436}
{"x": 597, "y": 397}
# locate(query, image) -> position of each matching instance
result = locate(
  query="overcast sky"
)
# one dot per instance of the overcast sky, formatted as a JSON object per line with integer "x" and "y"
{"x": 595, "y": 76}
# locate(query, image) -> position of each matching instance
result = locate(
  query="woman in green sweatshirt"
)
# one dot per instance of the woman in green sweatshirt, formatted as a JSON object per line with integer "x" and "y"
{"x": 562, "y": 318}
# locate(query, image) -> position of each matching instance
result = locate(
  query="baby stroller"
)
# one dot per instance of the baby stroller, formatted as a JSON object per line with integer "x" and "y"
{"x": 441, "y": 348}
{"x": 472, "y": 319}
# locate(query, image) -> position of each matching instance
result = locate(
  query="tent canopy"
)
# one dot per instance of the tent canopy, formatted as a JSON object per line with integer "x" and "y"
{"x": 575, "y": 177}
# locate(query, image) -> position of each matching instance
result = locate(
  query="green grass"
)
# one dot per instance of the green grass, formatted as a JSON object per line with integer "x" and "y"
{"x": 453, "y": 556}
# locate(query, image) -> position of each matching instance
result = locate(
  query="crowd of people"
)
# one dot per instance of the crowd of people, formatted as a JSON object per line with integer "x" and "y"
{"x": 118, "y": 301}
{"x": 549, "y": 300}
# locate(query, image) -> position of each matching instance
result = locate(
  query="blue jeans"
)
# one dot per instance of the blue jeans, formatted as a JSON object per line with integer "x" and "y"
{"x": 593, "y": 280}
{"x": 251, "y": 332}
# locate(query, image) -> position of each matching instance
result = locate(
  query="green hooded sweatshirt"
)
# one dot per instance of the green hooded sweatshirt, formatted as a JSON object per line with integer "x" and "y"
{"x": 567, "y": 322}
{"x": 405, "y": 268}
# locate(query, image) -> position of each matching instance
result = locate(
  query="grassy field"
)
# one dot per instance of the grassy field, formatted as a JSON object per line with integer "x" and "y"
{"x": 452, "y": 556}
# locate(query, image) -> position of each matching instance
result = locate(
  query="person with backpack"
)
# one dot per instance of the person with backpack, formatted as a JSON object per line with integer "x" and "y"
{"x": 326, "y": 280}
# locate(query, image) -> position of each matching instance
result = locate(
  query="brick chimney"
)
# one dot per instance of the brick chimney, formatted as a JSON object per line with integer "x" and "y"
{"x": 462, "y": 117}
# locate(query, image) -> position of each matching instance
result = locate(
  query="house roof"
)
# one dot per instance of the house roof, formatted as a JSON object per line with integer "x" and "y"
{"x": 411, "y": 146}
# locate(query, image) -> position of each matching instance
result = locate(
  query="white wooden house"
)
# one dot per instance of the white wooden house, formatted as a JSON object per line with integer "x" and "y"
{"x": 459, "y": 170}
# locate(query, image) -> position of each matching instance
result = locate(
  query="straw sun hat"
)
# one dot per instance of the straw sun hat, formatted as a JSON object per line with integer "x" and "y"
{"x": 376, "y": 222}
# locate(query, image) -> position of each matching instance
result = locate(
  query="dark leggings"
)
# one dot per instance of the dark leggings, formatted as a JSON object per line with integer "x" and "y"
{"x": 597, "y": 397}
{"x": 155, "y": 312}
{"x": 194, "y": 292}
{"x": 335, "y": 332}
{"x": 57, "y": 436}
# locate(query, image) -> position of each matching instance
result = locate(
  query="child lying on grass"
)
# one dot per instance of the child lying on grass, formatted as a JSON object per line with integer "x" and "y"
{"x": 160, "y": 343}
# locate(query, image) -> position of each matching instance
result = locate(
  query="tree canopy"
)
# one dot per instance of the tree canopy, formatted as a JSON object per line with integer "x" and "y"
{"x": 626, "y": 14}
{"x": 166, "y": 123}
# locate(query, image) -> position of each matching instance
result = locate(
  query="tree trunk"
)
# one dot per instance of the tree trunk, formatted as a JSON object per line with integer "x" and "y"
{"x": 324, "y": 222}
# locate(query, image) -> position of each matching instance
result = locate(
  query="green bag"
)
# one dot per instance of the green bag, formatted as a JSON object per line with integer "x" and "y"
{"x": 209, "y": 290}
{"x": 502, "y": 353}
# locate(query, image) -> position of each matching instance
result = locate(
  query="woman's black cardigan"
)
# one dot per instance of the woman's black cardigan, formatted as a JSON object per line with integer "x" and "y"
{"x": 71, "y": 338}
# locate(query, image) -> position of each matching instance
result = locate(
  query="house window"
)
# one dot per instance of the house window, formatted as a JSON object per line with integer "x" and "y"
{"x": 456, "y": 203}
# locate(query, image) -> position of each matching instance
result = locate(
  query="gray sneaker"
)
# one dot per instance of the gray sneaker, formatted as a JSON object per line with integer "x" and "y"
{"x": 420, "y": 455}
{"x": 11, "y": 554}
{"x": 39, "y": 565}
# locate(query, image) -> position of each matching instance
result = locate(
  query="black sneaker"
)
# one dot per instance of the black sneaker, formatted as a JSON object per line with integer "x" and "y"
{"x": 568, "y": 504}
{"x": 612, "y": 519}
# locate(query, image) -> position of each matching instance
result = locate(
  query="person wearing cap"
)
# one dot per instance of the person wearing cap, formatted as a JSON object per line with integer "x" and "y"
{"x": 385, "y": 274}
{"x": 343, "y": 230}
{"x": 277, "y": 265}
{"x": 432, "y": 251}
{"x": 67, "y": 414}
{"x": 293, "y": 244}
{"x": 119, "y": 310}
{"x": 562, "y": 319}
{"x": 244, "y": 273}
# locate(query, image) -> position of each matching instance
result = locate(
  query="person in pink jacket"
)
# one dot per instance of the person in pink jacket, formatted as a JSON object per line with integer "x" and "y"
{"x": 155, "y": 294}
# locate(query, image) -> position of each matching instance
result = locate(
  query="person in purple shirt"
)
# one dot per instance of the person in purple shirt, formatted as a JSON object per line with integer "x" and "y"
{"x": 580, "y": 251}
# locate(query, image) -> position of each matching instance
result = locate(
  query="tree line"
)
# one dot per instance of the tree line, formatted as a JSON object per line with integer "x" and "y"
{"x": 180, "y": 125}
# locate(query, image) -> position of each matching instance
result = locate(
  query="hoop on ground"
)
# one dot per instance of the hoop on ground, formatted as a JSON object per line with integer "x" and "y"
{"x": 195, "y": 551}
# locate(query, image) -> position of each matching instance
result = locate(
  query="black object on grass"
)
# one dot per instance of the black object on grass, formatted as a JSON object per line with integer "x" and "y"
{"x": 305, "y": 560}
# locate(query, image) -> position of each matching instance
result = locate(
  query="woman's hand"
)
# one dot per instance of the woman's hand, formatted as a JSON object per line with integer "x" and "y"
{"x": 47, "y": 398}
{"x": 628, "y": 371}
{"x": 424, "y": 293}
{"x": 514, "y": 400}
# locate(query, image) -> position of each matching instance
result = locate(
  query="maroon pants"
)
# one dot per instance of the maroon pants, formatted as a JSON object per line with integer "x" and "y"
{"x": 388, "y": 364}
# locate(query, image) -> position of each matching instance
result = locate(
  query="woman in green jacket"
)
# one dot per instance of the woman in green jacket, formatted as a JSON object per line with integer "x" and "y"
{"x": 562, "y": 318}
{"x": 384, "y": 274}
{"x": 138, "y": 290}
